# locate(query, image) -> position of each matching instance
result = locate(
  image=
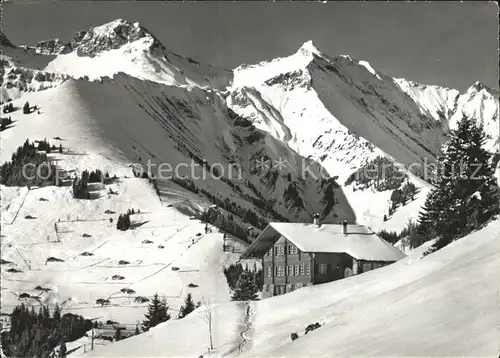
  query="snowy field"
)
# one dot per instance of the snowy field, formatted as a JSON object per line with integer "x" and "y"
{"x": 420, "y": 307}
{"x": 164, "y": 253}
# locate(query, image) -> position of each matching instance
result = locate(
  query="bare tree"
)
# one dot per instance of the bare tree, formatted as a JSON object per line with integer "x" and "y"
{"x": 207, "y": 308}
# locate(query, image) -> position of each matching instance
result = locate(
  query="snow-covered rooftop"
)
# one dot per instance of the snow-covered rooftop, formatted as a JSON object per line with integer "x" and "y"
{"x": 360, "y": 242}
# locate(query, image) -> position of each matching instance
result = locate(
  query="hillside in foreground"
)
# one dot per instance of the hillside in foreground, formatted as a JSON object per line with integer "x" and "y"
{"x": 425, "y": 307}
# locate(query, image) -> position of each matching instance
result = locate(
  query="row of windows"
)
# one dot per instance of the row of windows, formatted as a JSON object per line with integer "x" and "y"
{"x": 281, "y": 289}
{"x": 291, "y": 270}
{"x": 279, "y": 250}
{"x": 297, "y": 270}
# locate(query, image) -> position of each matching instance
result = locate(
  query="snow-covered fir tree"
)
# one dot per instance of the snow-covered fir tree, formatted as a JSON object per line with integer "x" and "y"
{"x": 466, "y": 194}
{"x": 246, "y": 288}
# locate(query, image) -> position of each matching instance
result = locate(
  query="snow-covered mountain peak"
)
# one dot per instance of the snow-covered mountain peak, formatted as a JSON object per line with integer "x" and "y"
{"x": 111, "y": 36}
{"x": 123, "y": 46}
{"x": 481, "y": 88}
{"x": 308, "y": 48}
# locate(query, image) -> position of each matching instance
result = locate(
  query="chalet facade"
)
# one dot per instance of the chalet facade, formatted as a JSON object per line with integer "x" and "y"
{"x": 295, "y": 255}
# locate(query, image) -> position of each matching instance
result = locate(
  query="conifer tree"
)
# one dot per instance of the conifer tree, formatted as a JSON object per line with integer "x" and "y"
{"x": 188, "y": 306}
{"x": 246, "y": 289}
{"x": 466, "y": 194}
{"x": 57, "y": 313}
{"x": 26, "y": 108}
{"x": 157, "y": 313}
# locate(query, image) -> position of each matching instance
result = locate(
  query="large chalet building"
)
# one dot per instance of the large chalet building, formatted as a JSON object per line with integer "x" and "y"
{"x": 295, "y": 255}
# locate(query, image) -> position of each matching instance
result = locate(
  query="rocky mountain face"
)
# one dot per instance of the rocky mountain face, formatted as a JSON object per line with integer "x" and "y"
{"x": 448, "y": 105}
{"x": 335, "y": 113}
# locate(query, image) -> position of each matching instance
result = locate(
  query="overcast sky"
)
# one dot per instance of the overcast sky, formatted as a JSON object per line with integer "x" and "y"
{"x": 446, "y": 43}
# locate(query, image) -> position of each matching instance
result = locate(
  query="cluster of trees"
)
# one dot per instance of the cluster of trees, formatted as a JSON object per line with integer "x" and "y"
{"x": 45, "y": 146}
{"x": 28, "y": 166}
{"x": 38, "y": 334}
{"x": 228, "y": 224}
{"x": 5, "y": 122}
{"x": 123, "y": 222}
{"x": 291, "y": 195}
{"x": 157, "y": 313}
{"x": 466, "y": 194}
{"x": 402, "y": 196}
{"x": 97, "y": 176}
{"x": 188, "y": 306}
{"x": 8, "y": 108}
{"x": 381, "y": 173}
{"x": 243, "y": 281}
{"x": 80, "y": 186}
{"x": 409, "y": 233}
{"x": 329, "y": 199}
{"x": 246, "y": 288}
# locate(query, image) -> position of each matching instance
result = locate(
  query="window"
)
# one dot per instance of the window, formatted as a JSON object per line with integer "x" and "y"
{"x": 322, "y": 269}
{"x": 290, "y": 270}
{"x": 270, "y": 252}
{"x": 367, "y": 266}
{"x": 308, "y": 269}
{"x": 294, "y": 250}
{"x": 302, "y": 269}
{"x": 280, "y": 271}
{"x": 296, "y": 270}
{"x": 281, "y": 250}
{"x": 269, "y": 271}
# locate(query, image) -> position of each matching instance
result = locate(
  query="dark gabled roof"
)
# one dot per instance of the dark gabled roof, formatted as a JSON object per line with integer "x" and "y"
{"x": 360, "y": 242}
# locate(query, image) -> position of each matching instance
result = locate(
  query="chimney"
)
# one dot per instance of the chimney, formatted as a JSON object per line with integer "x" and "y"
{"x": 316, "y": 219}
{"x": 344, "y": 227}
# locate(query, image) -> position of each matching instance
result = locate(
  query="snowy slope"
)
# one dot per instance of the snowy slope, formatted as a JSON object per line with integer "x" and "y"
{"x": 416, "y": 307}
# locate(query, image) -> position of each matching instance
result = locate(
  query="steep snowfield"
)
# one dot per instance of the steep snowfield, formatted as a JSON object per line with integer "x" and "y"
{"x": 371, "y": 206}
{"x": 431, "y": 306}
